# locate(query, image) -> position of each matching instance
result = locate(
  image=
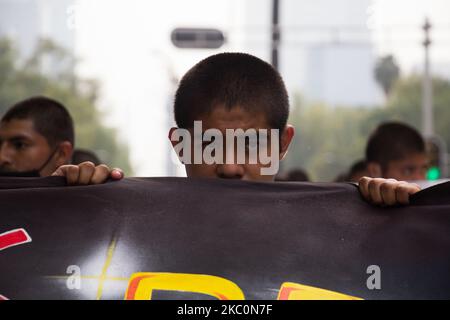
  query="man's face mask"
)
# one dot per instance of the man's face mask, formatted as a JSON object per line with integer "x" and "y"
{"x": 27, "y": 174}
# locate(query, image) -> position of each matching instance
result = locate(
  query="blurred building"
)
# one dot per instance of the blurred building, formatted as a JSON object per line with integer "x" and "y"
{"x": 328, "y": 52}
{"x": 341, "y": 75}
{"x": 27, "y": 21}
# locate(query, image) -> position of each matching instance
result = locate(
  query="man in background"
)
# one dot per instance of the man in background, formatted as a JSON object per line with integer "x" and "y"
{"x": 37, "y": 137}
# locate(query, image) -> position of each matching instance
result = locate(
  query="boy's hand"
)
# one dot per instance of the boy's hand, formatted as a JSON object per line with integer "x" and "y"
{"x": 87, "y": 173}
{"x": 386, "y": 192}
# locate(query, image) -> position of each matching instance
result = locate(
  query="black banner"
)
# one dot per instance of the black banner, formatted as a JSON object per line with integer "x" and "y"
{"x": 172, "y": 238}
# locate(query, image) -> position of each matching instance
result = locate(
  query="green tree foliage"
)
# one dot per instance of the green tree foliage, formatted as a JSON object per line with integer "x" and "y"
{"x": 405, "y": 104}
{"x": 22, "y": 78}
{"x": 329, "y": 140}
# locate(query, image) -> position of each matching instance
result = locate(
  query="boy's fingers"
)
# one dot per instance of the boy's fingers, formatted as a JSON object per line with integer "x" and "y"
{"x": 101, "y": 174}
{"x": 86, "y": 171}
{"x": 374, "y": 190}
{"x": 68, "y": 171}
{"x": 71, "y": 173}
{"x": 363, "y": 187}
{"x": 404, "y": 190}
{"x": 387, "y": 191}
{"x": 117, "y": 174}
{"x": 58, "y": 173}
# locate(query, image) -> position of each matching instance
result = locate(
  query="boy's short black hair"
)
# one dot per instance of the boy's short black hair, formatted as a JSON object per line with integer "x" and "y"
{"x": 50, "y": 118}
{"x": 232, "y": 80}
{"x": 393, "y": 141}
{"x": 82, "y": 155}
{"x": 358, "y": 166}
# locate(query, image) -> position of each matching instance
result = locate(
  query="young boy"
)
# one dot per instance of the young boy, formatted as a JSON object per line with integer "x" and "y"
{"x": 240, "y": 97}
{"x": 396, "y": 150}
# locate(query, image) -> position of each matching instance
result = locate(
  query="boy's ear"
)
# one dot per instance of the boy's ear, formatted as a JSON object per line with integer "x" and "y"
{"x": 173, "y": 142}
{"x": 286, "y": 138}
{"x": 374, "y": 170}
{"x": 64, "y": 153}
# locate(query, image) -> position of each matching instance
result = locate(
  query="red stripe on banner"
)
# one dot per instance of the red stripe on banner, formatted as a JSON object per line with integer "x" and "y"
{"x": 13, "y": 238}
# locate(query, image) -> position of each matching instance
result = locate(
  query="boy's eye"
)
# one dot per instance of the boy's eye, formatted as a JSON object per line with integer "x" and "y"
{"x": 19, "y": 145}
{"x": 408, "y": 171}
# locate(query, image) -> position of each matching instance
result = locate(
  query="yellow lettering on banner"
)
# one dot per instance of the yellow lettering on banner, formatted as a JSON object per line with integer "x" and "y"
{"x": 295, "y": 291}
{"x": 141, "y": 285}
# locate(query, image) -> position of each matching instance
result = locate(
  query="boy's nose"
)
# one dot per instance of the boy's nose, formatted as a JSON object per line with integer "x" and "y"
{"x": 4, "y": 157}
{"x": 230, "y": 171}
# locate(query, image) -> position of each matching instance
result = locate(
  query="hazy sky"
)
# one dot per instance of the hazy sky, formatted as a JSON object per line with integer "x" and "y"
{"x": 394, "y": 31}
{"x": 125, "y": 44}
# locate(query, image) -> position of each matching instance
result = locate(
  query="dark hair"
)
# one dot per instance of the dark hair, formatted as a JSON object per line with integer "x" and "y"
{"x": 82, "y": 155}
{"x": 297, "y": 174}
{"x": 231, "y": 80}
{"x": 50, "y": 118}
{"x": 357, "y": 168}
{"x": 393, "y": 141}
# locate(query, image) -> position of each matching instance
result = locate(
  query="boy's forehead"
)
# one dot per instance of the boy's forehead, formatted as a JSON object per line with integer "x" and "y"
{"x": 18, "y": 127}
{"x": 417, "y": 159}
{"x": 234, "y": 118}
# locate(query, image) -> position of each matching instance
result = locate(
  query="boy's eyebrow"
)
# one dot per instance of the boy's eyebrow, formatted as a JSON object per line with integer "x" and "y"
{"x": 18, "y": 137}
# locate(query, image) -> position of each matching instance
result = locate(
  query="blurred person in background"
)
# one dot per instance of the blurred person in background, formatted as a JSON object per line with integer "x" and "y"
{"x": 396, "y": 151}
{"x": 297, "y": 174}
{"x": 357, "y": 171}
{"x": 37, "y": 140}
{"x": 36, "y": 137}
{"x": 341, "y": 177}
